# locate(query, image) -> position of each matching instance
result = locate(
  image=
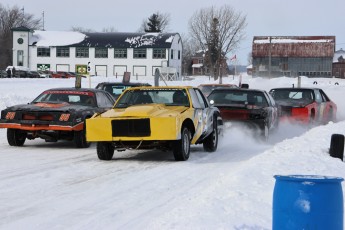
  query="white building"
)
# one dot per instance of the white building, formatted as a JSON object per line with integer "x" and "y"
{"x": 106, "y": 54}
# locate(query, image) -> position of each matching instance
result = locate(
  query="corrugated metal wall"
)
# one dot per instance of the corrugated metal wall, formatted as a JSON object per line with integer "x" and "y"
{"x": 293, "y": 56}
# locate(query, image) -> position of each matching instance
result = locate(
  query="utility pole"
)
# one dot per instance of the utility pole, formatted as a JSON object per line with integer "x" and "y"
{"x": 43, "y": 20}
{"x": 269, "y": 57}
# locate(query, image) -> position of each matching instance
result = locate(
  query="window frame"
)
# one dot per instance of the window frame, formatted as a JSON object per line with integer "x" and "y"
{"x": 82, "y": 50}
{"x": 158, "y": 53}
{"x": 120, "y": 53}
{"x": 43, "y": 52}
{"x": 62, "y": 51}
{"x": 138, "y": 54}
{"x": 101, "y": 52}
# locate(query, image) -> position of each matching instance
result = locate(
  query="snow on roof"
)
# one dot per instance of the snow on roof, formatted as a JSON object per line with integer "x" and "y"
{"x": 56, "y": 38}
{"x": 170, "y": 39}
{"x": 145, "y": 39}
{"x": 291, "y": 41}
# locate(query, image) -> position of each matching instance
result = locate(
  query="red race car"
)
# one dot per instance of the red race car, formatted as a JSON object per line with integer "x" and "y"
{"x": 304, "y": 105}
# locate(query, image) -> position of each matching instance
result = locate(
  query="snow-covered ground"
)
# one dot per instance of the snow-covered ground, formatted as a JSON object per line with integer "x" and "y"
{"x": 55, "y": 186}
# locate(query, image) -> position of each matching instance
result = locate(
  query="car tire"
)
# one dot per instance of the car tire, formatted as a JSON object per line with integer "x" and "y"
{"x": 16, "y": 137}
{"x": 337, "y": 146}
{"x": 80, "y": 139}
{"x": 210, "y": 143}
{"x": 181, "y": 148}
{"x": 105, "y": 151}
{"x": 265, "y": 132}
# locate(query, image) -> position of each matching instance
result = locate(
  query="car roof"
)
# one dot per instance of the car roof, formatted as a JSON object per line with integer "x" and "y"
{"x": 296, "y": 88}
{"x": 77, "y": 89}
{"x": 161, "y": 87}
{"x": 217, "y": 85}
{"x": 122, "y": 83}
{"x": 237, "y": 89}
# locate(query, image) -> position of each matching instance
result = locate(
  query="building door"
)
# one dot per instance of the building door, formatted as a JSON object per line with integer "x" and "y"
{"x": 101, "y": 70}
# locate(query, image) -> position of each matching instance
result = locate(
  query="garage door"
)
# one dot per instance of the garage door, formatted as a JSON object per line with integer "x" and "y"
{"x": 139, "y": 70}
{"x": 64, "y": 68}
{"x": 101, "y": 70}
{"x": 119, "y": 70}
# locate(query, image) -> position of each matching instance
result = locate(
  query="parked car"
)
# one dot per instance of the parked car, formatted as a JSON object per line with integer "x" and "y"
{"x": 45, "y": 74}
{"x": 65, "y": 74}
{"x": 33, "y": 74}
{"x": 56, "y": 114}
{"x": 167, "y": 118}
{"x": 3, "y": 74}
{"x": 55, "y": 74}
{"x": 206, "y": 89}
{"x": 254, "y": 108}
{"x": 304, "y": 105}
{"x": 116, "y": 88}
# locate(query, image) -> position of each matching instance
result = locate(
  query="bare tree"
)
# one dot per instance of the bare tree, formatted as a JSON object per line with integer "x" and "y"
{"x": 189, "y": 49}
{"x": 157, "y": 22}
{"x": 224, "y": 25}
{"x": 109, "y": 29}
{"x": 12, "y": 18}
{"x": 82, "y": 29}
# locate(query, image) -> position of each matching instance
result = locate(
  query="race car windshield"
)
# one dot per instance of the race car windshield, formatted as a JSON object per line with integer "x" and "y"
{"x": 70, "y": 97}
{"x": 238, "y": 97}
{"x": 292, "y": 94}
{"x": 169, "y": 97}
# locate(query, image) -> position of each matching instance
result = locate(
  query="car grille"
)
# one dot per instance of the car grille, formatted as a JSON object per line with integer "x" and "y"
{"x": 37, "y": 116}
{"x": 131, "y": 128}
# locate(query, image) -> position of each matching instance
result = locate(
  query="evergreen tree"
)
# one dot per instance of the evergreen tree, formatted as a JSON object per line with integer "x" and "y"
{"x": 153, "y": 24}
{"x": 157, "y": 23}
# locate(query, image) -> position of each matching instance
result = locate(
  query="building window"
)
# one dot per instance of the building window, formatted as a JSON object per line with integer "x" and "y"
{"x": 101, "y": 52}
{"x": 172, "y": 54}
{"x": 179, "y": 54}
{"x": 120, "y": 53}
{"x": 62, "y": 51}
{"x": 139, "y": 53}
{"x": 158, "y": 54}
{"x": 200, "y": 61}
{"x": 82, "y": 52}
{"x": 43, "y": 52}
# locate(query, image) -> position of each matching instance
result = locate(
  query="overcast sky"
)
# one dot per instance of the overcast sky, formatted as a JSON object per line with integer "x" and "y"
{"x": 264, "y": 18}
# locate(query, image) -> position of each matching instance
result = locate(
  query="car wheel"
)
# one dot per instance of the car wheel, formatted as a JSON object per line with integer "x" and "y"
{"x": 265, "y": 132}
{"x": 211, "y": 141}
{"x": 181, "y": 147}
{"x": 337, "y": 146}
{"x": 105, "y": 151}
{"x": 16, "y": 137}
{"x": 80, "y": 139}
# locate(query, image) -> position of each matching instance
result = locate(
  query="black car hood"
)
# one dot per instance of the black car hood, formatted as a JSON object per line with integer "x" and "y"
{"x": 58, "y": 107}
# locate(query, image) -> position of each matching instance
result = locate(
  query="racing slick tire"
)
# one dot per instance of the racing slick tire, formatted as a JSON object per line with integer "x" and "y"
{"x": 105, "y": 151}
{"x": 210, "y": 143}
{"x": 80, "y": 139}
{"x": 337, "y": 146}
{"x": 265, "y": 133}
{"x": 16, "y": 137}
{"x": 181, "y": 148}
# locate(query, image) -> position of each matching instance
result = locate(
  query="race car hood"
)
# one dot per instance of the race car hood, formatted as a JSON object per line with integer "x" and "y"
{"x": 293, "y": 103}
{"x": 147, "y": 110}
{"x": 63, "y": 107}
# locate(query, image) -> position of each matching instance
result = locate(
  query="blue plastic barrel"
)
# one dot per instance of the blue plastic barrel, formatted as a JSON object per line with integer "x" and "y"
{"x": 307, "y": 202}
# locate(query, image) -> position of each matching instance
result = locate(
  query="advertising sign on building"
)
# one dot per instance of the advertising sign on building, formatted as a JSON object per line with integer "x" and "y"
{"x": 43, "y": 67}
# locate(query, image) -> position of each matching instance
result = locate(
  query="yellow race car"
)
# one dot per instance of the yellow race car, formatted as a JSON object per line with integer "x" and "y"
{"x": 168, "y": 118}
